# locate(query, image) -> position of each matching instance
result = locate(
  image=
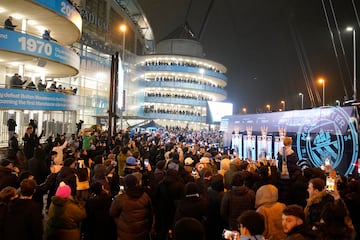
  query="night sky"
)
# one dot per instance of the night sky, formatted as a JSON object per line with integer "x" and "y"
{"x": 270, "y": 47}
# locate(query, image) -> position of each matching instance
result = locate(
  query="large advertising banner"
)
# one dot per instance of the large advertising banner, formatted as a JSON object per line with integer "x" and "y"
{"x": 30, "y": 45}
{"x": 318, "y": 134}
{"x": 34, "y": 100}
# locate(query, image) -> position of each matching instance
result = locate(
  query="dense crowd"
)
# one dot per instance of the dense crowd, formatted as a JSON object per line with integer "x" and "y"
{"x": 166, "y": 184}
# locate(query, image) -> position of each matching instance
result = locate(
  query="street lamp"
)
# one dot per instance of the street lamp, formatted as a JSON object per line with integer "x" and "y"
{"x": 244, "y": 110}
{"x": 322, "y": 81}
{"x": 283, "y": 103}
{"x": 302, "y": 100}
{"x": 268, "y": 107}
{"x": 123, "y": 30}
{"x": 351, "y": 29}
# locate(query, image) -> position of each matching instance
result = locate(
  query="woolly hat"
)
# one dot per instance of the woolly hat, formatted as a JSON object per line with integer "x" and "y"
{"x": 130, "y": 181}
{"x": 188, "y": 161}
{"x": 63, "y": 191}
{"x": 131, "y": 161}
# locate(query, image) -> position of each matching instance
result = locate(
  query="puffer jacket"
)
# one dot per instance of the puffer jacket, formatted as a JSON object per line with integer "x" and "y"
{"x": 65, "y": 216}
{"x": 132, "y": 212}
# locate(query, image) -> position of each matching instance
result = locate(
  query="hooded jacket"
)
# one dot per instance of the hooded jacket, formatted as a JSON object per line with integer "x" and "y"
{"x": 266, "y": 202}
{"x": 64, "y": 220}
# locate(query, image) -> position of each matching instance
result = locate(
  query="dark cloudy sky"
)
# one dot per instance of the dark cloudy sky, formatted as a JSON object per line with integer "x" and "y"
{"x": 270, "y": 47}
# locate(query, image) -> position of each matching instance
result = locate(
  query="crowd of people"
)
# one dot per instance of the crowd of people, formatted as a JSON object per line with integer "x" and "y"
{"x": 17, "y": 82}
{"x": 169, "y": 184}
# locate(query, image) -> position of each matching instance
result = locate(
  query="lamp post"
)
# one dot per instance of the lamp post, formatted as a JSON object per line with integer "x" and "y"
{"x": 322, "y": 81}
{"x": 351, "y": 29}
{"x": 302, "y": 100}
{"x": 283, "y": 105}
{"x": 123, "y": 30}
{"x": 268, "y": 107}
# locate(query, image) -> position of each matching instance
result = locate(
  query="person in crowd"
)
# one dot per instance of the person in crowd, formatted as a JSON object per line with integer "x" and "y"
{"x": 46, "y": 35}
{"x": 82, "y": 174}
{"x": 7, "y": 194}
{"x": 65, "y": 215}
{"x": 11, "y": 124}
{"x": 287, "y": 170}
{"x": 132, "y": 211}
{"x": 14, "y": 144}
{"x": 30, "y": 142}
{"x": 24, "y": 219}
{"x": 31, "y": 86}
{"x": 318, "y": 198}
{"x": 251, "y": 225}
{"x": 8, "y": 24}
{"x": 16, "y": 82}
{"x": 100, "y": 175}
{"x": 132, "y": 165}
{"x": 53, "y": 86}
{"x": 235, "y": 166}
{"x": 8, "y": 174}
{"x": 224, "y": 165}
{"x": 287, "y": 160}
{"x": 167, "y": 193}
{"x": 188, "y": 228}
{"x": 266, "y": 203}
{"x": 59, "y": 148}
{"x": 97, "y": 215}
{"x": 352, "y": 200}
{"x": 215, "y": 224}
{"x": 192, "y": 205}
{"x": 67, "y": 175}
{"x": 37, "y": 166}
{"x": 294, "y": 225}
{"x": 335, "y": 223}
{"x": 236, "y": 201}
{"x": 41, "y": 86}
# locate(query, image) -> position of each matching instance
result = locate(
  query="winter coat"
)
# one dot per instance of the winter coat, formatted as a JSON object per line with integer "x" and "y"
{"x": 301, "y": 232}
{"x": 315, "y": 206}
{"x": 23, "y": 221}
{"x": 30, "y": 142}
{"x": 234, "y": 202}
{"x": 132, "y": 212}
{"x": 266, "y": 202}
{"x": 97, "y": 217}
{"x": 64, "y": 219}
{"x": 67, "y": 175}
{"x": 166, "y": 194}
{"x": 291, "y": 159}
{"x": 214, "y": 223}
{"x": 191, "y": 206}
{"x": 8, "y": 178}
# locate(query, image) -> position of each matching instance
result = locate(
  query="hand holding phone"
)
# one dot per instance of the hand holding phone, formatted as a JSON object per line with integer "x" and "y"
{"x": 228, "y": 234}
{"x": 330, "y": 184}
